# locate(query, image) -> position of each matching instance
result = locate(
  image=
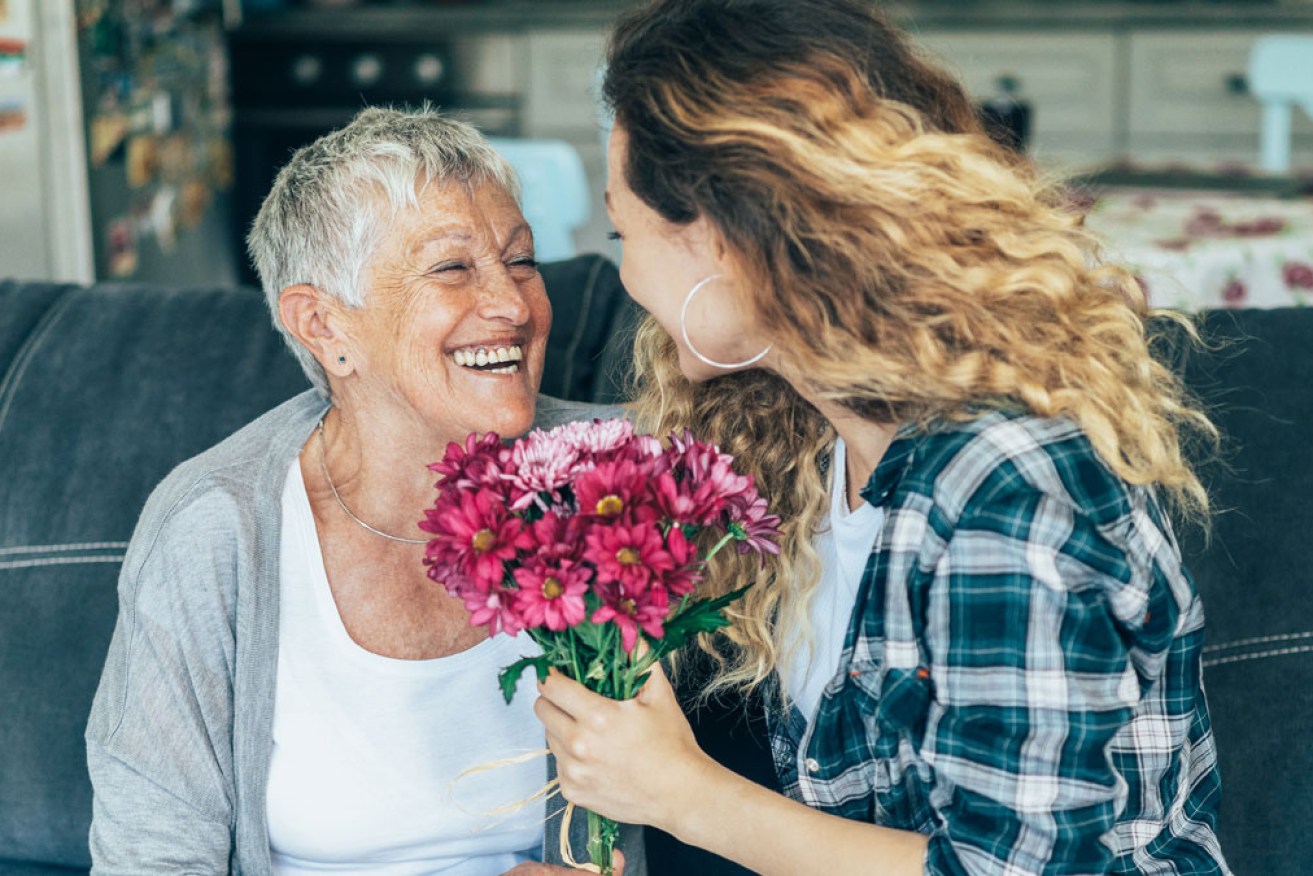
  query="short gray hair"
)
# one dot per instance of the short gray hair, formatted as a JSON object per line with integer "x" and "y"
{"x": 321, "y": 222}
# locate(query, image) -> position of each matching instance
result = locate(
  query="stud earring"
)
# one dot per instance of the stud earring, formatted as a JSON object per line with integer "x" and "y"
{"x": 341, "y": 360}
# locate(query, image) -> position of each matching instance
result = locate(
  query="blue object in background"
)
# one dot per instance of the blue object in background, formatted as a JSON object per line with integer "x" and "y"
{"x": 553, "y": 191}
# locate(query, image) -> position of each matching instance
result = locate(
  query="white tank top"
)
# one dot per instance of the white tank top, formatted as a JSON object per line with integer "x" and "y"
{"x": 844, "y": 547}
{"x": 366, "y": 747}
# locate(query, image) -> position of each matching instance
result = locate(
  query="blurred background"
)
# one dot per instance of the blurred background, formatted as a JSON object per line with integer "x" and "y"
{"x": 138, "y": 136}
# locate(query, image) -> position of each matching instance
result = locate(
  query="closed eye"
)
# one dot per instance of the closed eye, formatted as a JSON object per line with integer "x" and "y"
{"x": 447, "y": 267}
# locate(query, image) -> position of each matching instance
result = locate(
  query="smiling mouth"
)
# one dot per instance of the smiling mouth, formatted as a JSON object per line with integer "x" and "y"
{"x": 490, "y": 360}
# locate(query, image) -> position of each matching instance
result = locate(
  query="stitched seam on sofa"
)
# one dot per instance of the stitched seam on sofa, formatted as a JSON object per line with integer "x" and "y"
{"x": 57, "y": 548}
{"x": 60, "y": 561}
{"x": 1256, "y": 640}
{"x": 9, "y": 387}
{"x": 1258, "y": 655}
{"x": 581, "y": 322}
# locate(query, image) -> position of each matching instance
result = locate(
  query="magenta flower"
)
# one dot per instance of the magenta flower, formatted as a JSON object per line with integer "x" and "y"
{"x": 630, "y": 611}
{"x": 760, "y": 528}
{"x": 610, "y": 491}
{"x": 709, "y": 469}
{"x": 479, "y": 463}
{"x": 474, "y": 535}
{"x": 494, "y": 607}
{"x": 628, "y": 555}
{"x": 555, "y": 537}
{"x": 681, "y": 579}
{"x": 551, "y": 595}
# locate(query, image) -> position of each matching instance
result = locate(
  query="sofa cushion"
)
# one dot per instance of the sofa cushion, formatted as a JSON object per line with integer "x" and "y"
{"x": 111, "y": 387}
{"x": 1252, "y": 570}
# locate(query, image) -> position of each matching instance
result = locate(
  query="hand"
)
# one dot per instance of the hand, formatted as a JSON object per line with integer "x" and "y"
{"x": 635, "y": 761}
{"x": 533, "y": 868}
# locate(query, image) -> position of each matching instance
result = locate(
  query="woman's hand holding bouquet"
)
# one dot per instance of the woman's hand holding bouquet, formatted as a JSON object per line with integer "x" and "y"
{"x": 587, "y": 538}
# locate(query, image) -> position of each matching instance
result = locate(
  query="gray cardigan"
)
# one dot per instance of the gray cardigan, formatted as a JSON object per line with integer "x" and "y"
{"x": 180, "y": 734}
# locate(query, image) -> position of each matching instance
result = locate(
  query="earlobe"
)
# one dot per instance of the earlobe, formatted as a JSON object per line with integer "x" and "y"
{"x": 309, "y": 316}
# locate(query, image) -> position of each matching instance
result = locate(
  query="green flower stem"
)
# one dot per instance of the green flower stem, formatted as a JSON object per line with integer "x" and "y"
{"x": 726, "y": 539}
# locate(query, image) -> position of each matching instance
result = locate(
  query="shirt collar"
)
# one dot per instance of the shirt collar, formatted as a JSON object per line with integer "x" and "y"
{"x": 893, "y": 466}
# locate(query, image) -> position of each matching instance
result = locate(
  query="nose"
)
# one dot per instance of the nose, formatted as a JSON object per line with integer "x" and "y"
{"x": 503, "y": 298}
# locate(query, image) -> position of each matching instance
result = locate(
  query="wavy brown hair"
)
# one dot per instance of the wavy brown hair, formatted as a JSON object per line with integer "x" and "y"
{"x": 912, "y": 268}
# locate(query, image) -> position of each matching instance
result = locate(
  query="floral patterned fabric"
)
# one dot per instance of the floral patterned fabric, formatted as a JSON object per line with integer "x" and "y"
{"x": 1196, "y": 251}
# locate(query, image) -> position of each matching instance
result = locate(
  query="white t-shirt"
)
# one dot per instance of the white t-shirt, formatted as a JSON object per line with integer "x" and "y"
{"x": 366, "y": 748}
{"x": 844, "y": 547}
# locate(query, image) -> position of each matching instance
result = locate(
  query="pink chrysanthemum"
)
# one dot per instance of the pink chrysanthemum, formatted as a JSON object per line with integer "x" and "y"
{"x": 759, "y": 527}
{"x": 601, "y": 437}
{"x": 632, "y": 610}
{"x": 540, "y": 463}
{"x": 551, "y": 595}
{"x": 629, "y": 555}
{"x": 473, "y": 535}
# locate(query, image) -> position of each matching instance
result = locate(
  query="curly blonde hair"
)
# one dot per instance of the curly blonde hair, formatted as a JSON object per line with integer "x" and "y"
{"x": 913, "y": 269}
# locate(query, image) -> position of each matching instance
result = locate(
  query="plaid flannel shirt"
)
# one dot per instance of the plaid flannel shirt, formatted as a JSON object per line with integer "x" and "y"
{"x": 1021, "y": 675}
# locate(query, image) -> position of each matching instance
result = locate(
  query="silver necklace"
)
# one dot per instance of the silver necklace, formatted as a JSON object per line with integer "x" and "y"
{"x": 323, "y": 463}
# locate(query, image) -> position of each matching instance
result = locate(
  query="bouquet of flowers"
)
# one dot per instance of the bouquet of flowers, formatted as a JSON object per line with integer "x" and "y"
{"x": 587, "y": 537}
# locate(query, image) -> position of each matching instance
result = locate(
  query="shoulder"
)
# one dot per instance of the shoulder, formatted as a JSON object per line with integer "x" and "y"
{"x": 219, "y": 495}
{"x": 554, "y": 411}
{"x": 1001, "y": 458}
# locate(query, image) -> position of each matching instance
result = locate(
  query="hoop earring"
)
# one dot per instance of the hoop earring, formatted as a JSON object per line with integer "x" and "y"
{"x": 683, "y": 329}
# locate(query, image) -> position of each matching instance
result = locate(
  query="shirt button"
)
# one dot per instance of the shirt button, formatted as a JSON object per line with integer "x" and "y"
{"x": 813, "y": 765}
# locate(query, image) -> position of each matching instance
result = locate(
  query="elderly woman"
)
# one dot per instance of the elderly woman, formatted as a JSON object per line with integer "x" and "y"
{"x": 981, "y": 648}
{"x": 286, "y": 691}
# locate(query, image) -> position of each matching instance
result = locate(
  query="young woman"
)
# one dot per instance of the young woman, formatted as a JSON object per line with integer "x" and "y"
{"x": 982, "y": 647}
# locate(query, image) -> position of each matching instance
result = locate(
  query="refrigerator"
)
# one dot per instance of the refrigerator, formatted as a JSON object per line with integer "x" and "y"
{"x": 115, "y": 142}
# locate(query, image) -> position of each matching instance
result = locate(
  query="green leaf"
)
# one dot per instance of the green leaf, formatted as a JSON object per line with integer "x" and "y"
{"x": 509, "y": 677}
{"x": 701, "y": 616}
{"x": 590, "y": 634}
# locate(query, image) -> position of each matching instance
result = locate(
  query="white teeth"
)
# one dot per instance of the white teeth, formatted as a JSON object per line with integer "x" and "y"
{"x": 472, "y": 357}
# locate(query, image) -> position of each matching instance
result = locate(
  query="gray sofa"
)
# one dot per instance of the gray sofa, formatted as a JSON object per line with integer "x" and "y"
{"x": 104, "y": 388}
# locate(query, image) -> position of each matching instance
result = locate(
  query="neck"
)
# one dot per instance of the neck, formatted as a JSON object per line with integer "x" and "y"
{"x": 866, "y": 441}
{"x": 379, "y": 471}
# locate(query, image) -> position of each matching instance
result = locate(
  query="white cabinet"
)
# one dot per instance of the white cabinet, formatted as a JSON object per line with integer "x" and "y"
{"x": 559, "y": 97}
{"x": 1071, "y": 80}
{"x": 1188, "y": 99}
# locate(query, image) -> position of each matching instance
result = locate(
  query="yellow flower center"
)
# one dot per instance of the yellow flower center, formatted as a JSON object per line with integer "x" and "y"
{"x": 483, "y": 540}
{"x": 627, "y": 556}
{"x": 628, "y": 606}
{"x": 610, "y": 506}
{"x": 552, "y": 588}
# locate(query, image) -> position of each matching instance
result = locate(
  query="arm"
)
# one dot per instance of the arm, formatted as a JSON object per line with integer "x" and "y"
{"x": 637, "y": 761}
{"x": 159, "y": 740}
